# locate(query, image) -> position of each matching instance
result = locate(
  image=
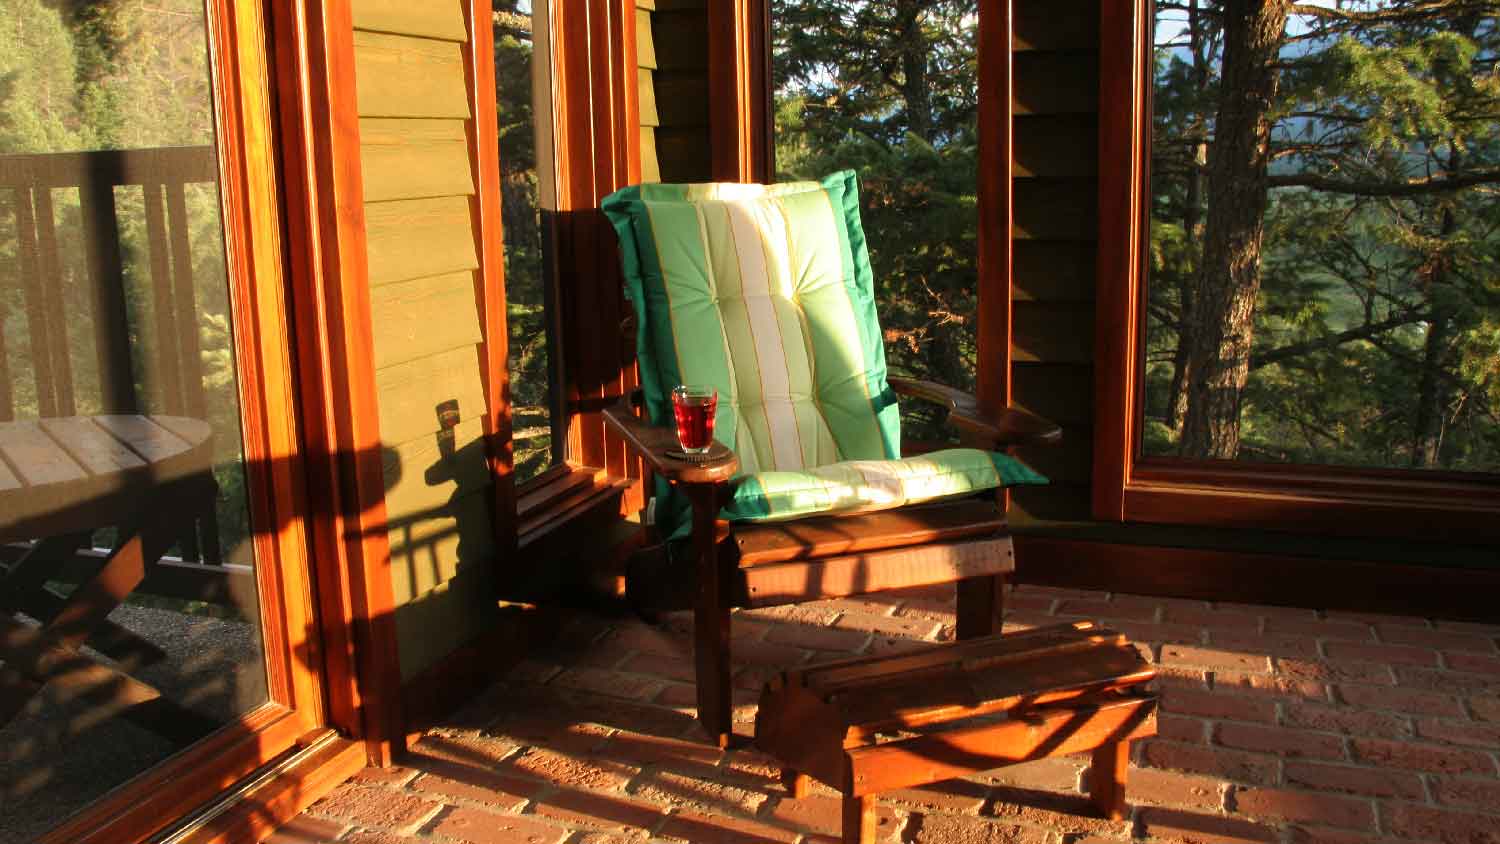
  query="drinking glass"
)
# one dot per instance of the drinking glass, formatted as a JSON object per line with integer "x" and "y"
{"x": 694, "y": 407}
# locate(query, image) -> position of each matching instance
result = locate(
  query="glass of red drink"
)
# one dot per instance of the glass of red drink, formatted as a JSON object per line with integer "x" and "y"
{"x": 694, "y": 407}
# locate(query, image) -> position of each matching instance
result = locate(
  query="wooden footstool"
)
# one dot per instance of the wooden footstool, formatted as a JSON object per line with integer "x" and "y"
{"x": 874, "y": 724}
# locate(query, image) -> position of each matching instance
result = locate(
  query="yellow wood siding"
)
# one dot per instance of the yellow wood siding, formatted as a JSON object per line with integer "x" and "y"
{"x": 413, "y": 159}
{"x": 402, "y": 76}
{"x": 422, "y": 317}
{"x": 645, "y": 45}
{"x": 409, "y": 393}
{"x": 442, "y": 19}
{"x": 413, "y": 238}
{"x": 420, "y": 478}
{"x": 647, "y": 88}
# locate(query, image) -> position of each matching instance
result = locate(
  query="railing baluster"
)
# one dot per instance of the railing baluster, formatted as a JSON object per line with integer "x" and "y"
{"x": 49, "y": 265}
{"x": 101, "y": 237}
{"x": 168, "y": 316}
{"x": 7, "y": 396}
{"x": 186, "y": 300}
{"x": 36, "y": 309}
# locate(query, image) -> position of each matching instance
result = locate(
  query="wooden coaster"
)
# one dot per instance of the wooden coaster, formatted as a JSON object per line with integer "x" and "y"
{"x": 702, "y": 457}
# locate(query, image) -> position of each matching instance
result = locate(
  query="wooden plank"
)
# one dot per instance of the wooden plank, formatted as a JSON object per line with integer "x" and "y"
{"x": 876, "y": 571}
{"x": 148, "y": 439}
{"x": 422, "y": 317}
{"x": 183, "y": 299}
{"x": 647, "y": 90}
{"x": 424, "y": 474}
{"x": 1053, "y": 333}
{"x": 401, "y": 76}
{"x": 37, "y": 458}
{"x": 168, "y": 379}
{"x": 835, "y": 535}
{"x": 1055, "y": 83}
{"x": 1049, "y": 209}
{"x": 650, "y": 168}
{"x": 409, "y": 393}
{"x": 645, "y": 45}
{"x": 1050, "y": 271}
{"x": 1064, "y": 146}
{"x": 90, "y": 445}
{"x": 412, "y": 159}
{"x": 8, "y": 479}
{"x": 59, "y": 364}
{"x": 1062, "y": 393}
{"x": 645, "y": 4}
{"x": 1044, "y": 733}
{"x": 1054, "y": 25}
{"x": 441, "y": 19}
{"x": 415, "y": 238}
{"x": 33, "y": 289}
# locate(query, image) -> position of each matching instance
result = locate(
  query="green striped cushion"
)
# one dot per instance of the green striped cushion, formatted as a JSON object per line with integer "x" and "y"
{"x": 862, "y": 485}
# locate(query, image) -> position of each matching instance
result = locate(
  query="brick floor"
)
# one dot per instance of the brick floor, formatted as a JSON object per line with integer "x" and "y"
{"x": 1278, "y": 725}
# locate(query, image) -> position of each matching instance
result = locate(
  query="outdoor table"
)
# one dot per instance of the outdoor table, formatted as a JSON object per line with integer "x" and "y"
{"x": 60, "y": 479}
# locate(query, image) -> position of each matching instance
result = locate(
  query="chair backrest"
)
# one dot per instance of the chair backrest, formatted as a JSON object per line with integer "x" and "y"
{"x": 766, "y": 293}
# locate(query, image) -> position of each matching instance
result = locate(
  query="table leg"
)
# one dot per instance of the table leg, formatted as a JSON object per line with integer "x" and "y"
{"x": 27, "y": 577}
{"x": 1107, "y": 778}
{"x": 859, "y": 820}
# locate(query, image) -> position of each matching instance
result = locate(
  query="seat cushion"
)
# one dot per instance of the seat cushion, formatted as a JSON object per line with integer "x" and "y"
{"x": 857, "y": 486}
{"x": 766, "y": 293}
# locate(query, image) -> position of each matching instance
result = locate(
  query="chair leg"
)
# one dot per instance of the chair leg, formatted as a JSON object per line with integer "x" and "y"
{"x": 981, "y": 603}
{"x": 710, "y": 623}
{"x": 859, "y": 820}
{"x": 796, "y": 783}
{"x": 1107, "y": 778}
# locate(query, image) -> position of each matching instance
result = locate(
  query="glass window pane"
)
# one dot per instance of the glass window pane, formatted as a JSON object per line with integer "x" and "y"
{"x": 526, "y": 263}
{"x": 891, "y": 90}
{"x": 119, "y": 408}
{"x": 1325, "y": 235}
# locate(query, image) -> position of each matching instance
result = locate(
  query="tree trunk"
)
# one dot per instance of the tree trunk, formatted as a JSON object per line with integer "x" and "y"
{"x": 916, "y": 92}
{"x": 1435, "y": 387}
{"x": 1191, "y": 221}
{"x": 1223, "y": 315}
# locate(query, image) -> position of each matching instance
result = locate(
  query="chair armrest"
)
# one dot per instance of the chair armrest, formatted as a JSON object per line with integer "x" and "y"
{"x": 1011, "y": 427}
{"x": 653, "y": 445}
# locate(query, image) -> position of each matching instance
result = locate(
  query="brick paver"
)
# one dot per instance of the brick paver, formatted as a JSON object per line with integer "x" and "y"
{"x": 1285, "y": 725}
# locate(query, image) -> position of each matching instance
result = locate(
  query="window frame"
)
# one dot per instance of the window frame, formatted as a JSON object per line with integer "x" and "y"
{"x": 1130, "y": 487}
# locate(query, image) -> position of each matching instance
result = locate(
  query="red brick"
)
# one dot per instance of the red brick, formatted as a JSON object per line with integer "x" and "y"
{"x": 1219, "y": 705}
{"x": 1400, "y": 700}
{"x": 1214, "y": 761}
{"x": 602, "y": 681}
{"x": 1212, "y": 619}
{"x": 1485, "y": 708}
{"x": 817, "y": 638}
{"x": 1279, "y": 740}
{"x": 1182, "y": 728}
{"x": 958, "y": 796}
{"x": 658, "y": 666}
{"x": 1198, "y": 828}
{"x": 1214, "y": 658}
{"x": 1447, "y": 640}
{"x": 1471, "y": 662}
{"x": 1352, "y": 631}
{"x": 598, "y": 811}
{"x": 766, "y": 653}
{"x": 1354, "y": 779}
{"x": 367, "y": 836}
{"x": 961, "y": 829}
{"x": 1066, "y": 814}
{"x": 481, "y": 827}
{"x": 1412, "y": 756}
{"x": 1273, "y": 644}
{"x": 1169, "y": 788}
{"x": 1159, "y": 634}
{"x": 1448, "y": 682}
{"x": 1271, "y": 685}
{"x": 651, "y": 640}
{"x": 305, "y": 830}
{"x": 1410, "y": 820}
{"x": 1460, "y": 732}
{"x": 1060, "y": 773}
{"x": 704, "y": 789}
{"x": 568, "y": 771}
{"x": 817, "y": 813}
{"x": 1267, "y": 610}
{"x": 1377, "y": 618}
{"x": 718, "y": 829}
{"x": 1131, "y": 611}
{"x": 449, "y": 780}
{"x": 394, "y": 775}
{"x": 542, "y": 728}
{"x": 793, "y": 615}
{"x": 1328, "y": 835}
{"x": 915, "y": 628}
{"x": 1059, "y": 592}
{"x": 1344, "y": 719}
{"x": 376, "y": 807}
{"x": 643, "y": 749}
{"x": 1467, "y": 791}
{"x": 1028, "y": 603}
{"x": 1381, "y": 653}
{"x": 1305, "y": 806}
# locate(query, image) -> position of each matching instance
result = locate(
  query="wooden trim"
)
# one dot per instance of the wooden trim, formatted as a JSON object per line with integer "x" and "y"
{"x": 489, "y": 282}
{"x": 468, "y": 670}
{"x": 253, "y": 809}
{"x": 329, "y": 290}
{"x": 739, "y": 91}
{"x": 1369, "y": 502}
{"x": 1276, "y": 579}
{"x": 996, "y": 208}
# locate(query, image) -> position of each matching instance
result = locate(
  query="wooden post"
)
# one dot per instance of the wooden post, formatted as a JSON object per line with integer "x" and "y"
{"x": 711, "y": 619}
{"x": 1107, "y": 779}
{"x": 797, "y": 784}
{"x": 859, "y": 820}
{"x": 981, "y": 603}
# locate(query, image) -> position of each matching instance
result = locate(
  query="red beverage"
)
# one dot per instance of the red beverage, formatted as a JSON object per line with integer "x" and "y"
{"x": 694, "y": 408}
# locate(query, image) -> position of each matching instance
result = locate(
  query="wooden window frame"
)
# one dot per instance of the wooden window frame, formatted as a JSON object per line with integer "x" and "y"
{"x": 1129, "y": 487}
{"x": 742, "y": 130}
{"x": 298, "y": 708}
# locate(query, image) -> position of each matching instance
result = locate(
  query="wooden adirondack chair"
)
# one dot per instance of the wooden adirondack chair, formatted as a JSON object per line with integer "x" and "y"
{"x": 766, "y": 293}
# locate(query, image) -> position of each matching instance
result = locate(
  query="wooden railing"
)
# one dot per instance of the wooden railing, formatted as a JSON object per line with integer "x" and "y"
{"x": 27, "y": 184}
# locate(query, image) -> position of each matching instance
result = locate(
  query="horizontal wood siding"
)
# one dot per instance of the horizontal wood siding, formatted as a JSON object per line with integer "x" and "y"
{"x": 421, "y": 233}
{"x": 1054, "y": 155}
